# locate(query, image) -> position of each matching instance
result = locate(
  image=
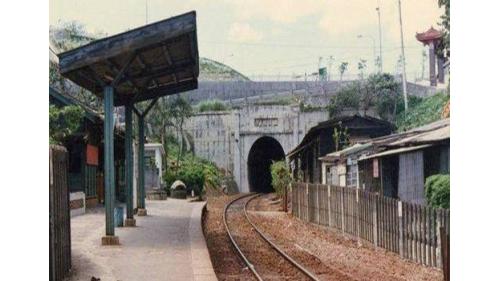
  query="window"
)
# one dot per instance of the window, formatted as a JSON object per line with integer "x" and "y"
{"x": 352, "y": 175}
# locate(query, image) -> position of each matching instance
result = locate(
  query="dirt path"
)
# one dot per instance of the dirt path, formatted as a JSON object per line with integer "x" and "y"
{"x": 332, "y": 249}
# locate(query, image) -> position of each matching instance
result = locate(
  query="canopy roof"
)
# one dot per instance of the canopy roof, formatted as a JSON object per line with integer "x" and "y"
{"x": 430, "y": 35}
{"x": 147, "y": 62}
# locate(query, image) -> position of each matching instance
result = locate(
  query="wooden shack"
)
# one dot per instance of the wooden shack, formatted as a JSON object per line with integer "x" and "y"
{"x": 304, "y": 159}
{"x": 85, "y": 153}
{"x": 400, "y": 163}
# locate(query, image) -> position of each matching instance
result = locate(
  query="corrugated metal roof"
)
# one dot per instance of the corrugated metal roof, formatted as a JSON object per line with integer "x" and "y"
{"x": 395, "y": 151}
{"x": 340, "y": 121}
{"x": 346, "y": 152}
{"x": 433, "y": 125}
{"x": 434, "y": 135}
{"x": 411, "y": 140}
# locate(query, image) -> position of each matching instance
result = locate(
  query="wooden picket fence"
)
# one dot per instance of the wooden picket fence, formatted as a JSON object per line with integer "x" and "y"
{"x": 408, "y": 229}
{"x": 59, "y": 214}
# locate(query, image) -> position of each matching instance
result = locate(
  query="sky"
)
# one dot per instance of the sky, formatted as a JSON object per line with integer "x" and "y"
{"x": 274, "y": 39}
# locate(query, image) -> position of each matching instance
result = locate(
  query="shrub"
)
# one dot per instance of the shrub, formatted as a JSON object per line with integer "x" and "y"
{"x": 347, "y": 97}
{"x": 281, "y": 176}
{"x": 212, "y": 105}
{"x": 380, "y": 91}
{"x": 385, "y": 93}
{"x": 437, "y": 191}
{"x": 195, "y": 173}
{"x": 64, "y": 122}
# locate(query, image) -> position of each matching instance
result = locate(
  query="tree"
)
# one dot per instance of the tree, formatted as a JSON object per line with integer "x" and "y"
{"x": 158, "y": 120}
{"x": 443, "y": 48}
{"x": 64, "y": 122}
{"x": 378, "y": 63}
{"x": 343, "y": 69}
{"x": 348, "y": 97}
{"x": 281, "y": 179}
{"x": 67, "y": 36}
{"x": 361, "y": 68}
{"x": 384, "y": 92}
{"x": 169, "y": 112}
{"x": 340, "y": 137}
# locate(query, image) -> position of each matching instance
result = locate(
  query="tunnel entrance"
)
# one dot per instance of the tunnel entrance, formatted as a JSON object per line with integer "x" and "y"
{"x": 262, "y": 153}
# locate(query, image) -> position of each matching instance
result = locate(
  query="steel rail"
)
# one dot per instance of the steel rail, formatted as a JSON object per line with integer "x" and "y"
{"x": 247, "y": 262}
{"x": 275, "y": 247}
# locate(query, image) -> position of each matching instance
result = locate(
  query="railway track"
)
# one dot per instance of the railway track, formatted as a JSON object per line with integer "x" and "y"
{"x": 263, "y": 257}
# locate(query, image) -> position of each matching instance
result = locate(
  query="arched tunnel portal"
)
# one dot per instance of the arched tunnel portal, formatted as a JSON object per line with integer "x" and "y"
{"x": 263, "y": 152}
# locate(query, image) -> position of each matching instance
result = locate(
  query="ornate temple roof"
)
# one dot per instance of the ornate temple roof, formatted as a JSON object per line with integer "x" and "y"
{"x": 430, "y": 35}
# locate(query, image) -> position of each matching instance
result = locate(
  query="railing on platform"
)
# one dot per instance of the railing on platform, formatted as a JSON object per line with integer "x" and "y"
{"x": 408, "y": 229}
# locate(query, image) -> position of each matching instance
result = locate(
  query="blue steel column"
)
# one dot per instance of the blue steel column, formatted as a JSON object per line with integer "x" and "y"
{"x": 109, "y": 159}
{"x": 129, "y": 166}
{"x": 141, "y": 201}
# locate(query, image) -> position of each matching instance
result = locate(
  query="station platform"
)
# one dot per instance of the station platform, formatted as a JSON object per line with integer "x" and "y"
{"x": 167, "y": 244}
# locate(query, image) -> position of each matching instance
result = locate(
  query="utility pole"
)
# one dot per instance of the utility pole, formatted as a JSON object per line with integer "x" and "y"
{"x": 403, "y": 58}
{"x": 330, "y": 61}
{"x": 147, "y": 12}
{"x": 374, "y": 47}
{"x": 379, "y": 38}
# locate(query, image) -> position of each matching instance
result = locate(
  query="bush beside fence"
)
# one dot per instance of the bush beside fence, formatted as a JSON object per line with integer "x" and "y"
{"x": 408, "y": 229}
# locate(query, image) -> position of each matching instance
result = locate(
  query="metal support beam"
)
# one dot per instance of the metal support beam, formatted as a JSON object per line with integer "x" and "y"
{"x": 109, "y": 161}
{"x": 141, "y": 201}
{"x": 129, "y": 166}
{"x": 141, "y": 193}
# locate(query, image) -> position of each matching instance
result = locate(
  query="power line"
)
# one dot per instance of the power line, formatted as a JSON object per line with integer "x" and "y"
{"x": 286, "y": 45}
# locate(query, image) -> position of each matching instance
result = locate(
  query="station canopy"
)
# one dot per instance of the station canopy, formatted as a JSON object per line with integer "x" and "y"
{"x": 155, "y": 60}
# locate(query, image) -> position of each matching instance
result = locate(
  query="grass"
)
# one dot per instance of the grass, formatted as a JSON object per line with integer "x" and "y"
{"x": 421, "y": 112}
{"x": 212, "y": 105}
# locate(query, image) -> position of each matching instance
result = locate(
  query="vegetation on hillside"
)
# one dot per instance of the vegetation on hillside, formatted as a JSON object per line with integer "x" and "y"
{"x": 67, "y": 36}
{"x": 422, "y": 111}
{"x": 380, "y": 91}
{"x": 215, "y": 71}
{"x": 309, "y": 107}
{"x": 212, "y": 105}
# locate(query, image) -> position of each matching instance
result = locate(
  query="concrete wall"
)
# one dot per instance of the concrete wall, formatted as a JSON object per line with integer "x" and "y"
{"x": 226, "y": 138}
{"x": 212, "y": 137}
{"x": 311, "y": 92}
{"x": 77, "y": 203}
